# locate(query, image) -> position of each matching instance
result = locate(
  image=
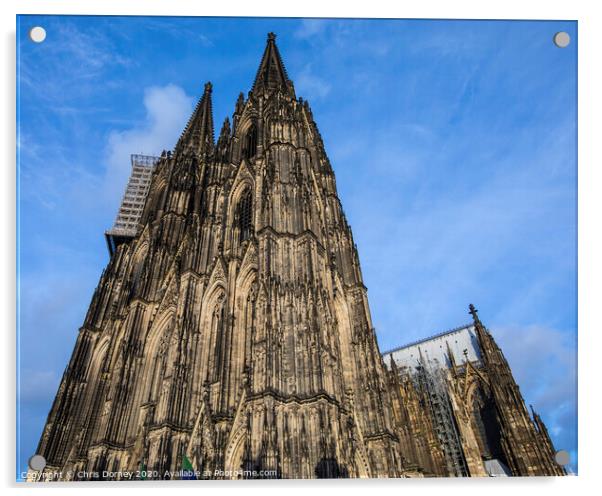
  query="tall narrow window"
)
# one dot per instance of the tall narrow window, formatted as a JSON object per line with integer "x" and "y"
{"x": 487, "y": 427}
{"x": 217, "y": 332}
{"x": 250, "y": 143}
{"x": 244, "y": 215}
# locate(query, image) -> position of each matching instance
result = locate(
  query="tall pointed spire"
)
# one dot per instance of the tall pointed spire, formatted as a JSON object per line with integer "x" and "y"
{"x": 198, "y": 133}
{"x": 271, "y": 74}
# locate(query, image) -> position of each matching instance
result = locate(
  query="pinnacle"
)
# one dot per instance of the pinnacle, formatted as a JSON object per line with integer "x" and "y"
{"x": 271, "y": 74}
{"x": 198, "y": 133}
{"x": 226, "y": 127}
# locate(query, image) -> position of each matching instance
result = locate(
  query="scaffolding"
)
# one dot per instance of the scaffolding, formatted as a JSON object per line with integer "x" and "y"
{"x": 128, "y": 217}
{"x": 431, "y": 382}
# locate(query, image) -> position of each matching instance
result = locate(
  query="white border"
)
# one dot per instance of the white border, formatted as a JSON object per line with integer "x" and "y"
{"x": 590, "y": 246}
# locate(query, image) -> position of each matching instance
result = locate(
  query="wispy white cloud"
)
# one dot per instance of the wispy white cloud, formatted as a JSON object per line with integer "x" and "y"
{"x": 70, "y": 62}
{"x": 89, "y": 50}
{"x": 309, "y": 28}
{"x": 544, "y": 364}
{"x": 310, "y": 85}
{"x": 178, "y": 29}
{"x": 452, "y": 203}
{"x": 52, "y": 175}
{"x": 551, "y": 352}
{"x": 167, "y": 110}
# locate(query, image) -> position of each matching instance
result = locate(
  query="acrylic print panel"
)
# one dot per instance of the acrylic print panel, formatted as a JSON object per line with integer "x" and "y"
{"x": 193, "y": 303}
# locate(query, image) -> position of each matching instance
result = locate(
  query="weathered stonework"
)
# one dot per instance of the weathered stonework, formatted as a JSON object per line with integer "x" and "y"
{"x": 471, "y": 412}
{"x": 233, "y": 331}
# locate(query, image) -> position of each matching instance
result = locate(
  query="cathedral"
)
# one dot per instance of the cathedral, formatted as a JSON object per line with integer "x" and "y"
{"x": 230, "y": 334}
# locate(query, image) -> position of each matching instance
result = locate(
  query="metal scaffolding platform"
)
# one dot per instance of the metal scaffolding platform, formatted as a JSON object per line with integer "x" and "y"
{"x": 431, "y": 381}
{"x": 132, "y": 204}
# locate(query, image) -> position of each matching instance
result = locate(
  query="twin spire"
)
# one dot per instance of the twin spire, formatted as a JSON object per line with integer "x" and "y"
{"x": 198, "y": 134}
{"x": 271, "y": 74}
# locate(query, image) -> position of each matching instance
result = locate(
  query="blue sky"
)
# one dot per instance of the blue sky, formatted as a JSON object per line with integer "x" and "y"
{"x": 453, "y": 144}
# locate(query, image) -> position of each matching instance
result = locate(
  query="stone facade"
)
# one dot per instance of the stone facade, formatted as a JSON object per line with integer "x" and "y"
{"x": 477, "y": 418}
{"x": 232, "y": 333}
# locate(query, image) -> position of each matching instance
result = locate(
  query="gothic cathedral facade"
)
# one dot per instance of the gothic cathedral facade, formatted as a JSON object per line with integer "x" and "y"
{"x": 232, "y": 333}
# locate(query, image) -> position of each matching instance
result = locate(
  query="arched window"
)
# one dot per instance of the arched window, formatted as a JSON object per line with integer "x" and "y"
{"x": 157, "y": 351}
{"x": 486, "y": 426}
{"x": 217, "y": 328}
{"x": 244, "y": 215}
{"x": 250, "y": 143}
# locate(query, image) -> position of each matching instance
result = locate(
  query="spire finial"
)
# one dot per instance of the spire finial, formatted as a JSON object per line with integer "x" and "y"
{"x": 271, "y": 74}
{"x": 208, "y": 87}
{"x": 473, "y": 311}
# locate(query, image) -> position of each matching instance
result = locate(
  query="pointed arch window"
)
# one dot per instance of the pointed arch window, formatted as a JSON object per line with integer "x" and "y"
{"x": 250, "y": 143}
{"x": 249, "y": 313}
{"x": 244, "y": 215}
{"x": 486, "y": 426}
{"x": 216, "y": 323}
